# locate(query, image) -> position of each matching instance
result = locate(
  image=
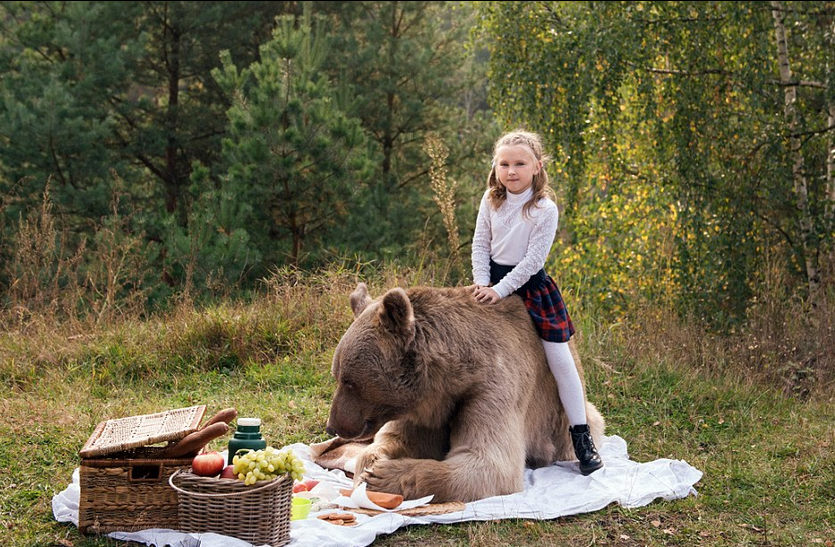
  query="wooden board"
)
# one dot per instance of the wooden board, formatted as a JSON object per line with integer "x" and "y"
{"x": 430, "y": 509}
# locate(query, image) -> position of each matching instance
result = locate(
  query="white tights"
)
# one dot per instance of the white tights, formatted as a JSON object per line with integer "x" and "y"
{"x": 570, "y": 388}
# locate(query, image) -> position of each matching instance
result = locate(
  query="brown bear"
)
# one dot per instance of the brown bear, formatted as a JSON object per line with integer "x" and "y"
{"x": 456, "y": 395}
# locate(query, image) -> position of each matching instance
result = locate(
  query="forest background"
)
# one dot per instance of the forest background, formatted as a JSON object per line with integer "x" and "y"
{"x": 152, "y": 151}
{"x": 199, "y": 160}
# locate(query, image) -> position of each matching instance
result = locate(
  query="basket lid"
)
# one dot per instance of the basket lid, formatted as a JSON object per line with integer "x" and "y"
{"x": 120, "y": 434}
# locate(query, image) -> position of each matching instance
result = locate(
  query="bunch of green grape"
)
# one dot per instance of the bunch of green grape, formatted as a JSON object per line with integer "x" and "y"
{"x": 266, "y": 464}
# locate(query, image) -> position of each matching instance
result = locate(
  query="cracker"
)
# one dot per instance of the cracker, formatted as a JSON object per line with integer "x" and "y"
{"x": 340, "y": 519}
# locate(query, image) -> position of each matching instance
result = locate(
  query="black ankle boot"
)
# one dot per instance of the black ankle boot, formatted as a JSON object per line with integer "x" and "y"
{"x": 584, "y": 449}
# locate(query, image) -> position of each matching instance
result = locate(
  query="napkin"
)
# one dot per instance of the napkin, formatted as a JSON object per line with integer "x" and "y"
{"x": 359, "y": 500}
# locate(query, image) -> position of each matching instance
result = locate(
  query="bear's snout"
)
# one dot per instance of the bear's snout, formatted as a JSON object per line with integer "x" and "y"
{"x": 357, "y": 430}
{"x": 351, "y": 416}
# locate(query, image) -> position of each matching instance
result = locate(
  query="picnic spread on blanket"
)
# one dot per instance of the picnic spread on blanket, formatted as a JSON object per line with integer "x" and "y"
{"x": 162, "y": 495}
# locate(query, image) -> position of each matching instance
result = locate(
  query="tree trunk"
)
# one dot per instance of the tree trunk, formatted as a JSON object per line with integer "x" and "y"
{"x": 801, "y": 189}
{"x": 829, "y": 216}
{"x": 388, "y": 130}
{"x": 830, "y": 170}
{"x": 297, "y": 247}
{"x": 171, "y": 121}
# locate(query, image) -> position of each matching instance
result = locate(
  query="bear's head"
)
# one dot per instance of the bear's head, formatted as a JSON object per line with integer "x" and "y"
{"x": 374, "y": 365}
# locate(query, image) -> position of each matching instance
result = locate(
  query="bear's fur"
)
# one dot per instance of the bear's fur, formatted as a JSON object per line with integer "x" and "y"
{"x": 457, "y": 395}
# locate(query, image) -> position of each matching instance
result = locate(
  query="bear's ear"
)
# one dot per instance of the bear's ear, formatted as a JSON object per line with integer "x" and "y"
{"x": 360, "y": 299}
{"x": 396, "y": 314}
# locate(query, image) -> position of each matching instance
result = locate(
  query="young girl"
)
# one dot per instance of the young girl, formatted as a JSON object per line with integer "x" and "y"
{"x": 516, "y": 225}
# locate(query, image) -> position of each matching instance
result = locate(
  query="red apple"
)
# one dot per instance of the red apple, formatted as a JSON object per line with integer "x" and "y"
{"x": 207, "y": 464}
{"x": 228, "y": 472}
{"x": 299, "y": 487}
{"x": 310, "y": 483}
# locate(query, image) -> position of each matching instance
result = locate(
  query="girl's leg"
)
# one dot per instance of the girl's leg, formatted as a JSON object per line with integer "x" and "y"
{"x": 573, "y": 401}
{"x": 564, "y": 370}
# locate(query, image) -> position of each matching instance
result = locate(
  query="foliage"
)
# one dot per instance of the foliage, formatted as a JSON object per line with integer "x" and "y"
{"x": 92, "y": 86}
{"x": 89, "y": 89}
{"x": 216, "y": 251}
{"x": 443, "y": 191}
{"x": 106, "y": 279}
{"x": 668, "y": 123}
{"x": 92, "y": 89}
{"x": 405, "y": 65}
{"x": 292, "y": 148}
{"x": 174, "y": 115}
{"x": 59, "y": 70}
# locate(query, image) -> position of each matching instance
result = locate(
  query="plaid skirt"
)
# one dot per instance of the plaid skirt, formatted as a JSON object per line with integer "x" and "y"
{"x": 544, "y": 303}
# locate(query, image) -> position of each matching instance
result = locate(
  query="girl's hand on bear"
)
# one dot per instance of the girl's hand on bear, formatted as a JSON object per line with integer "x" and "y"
{"x": 486, "y": 295}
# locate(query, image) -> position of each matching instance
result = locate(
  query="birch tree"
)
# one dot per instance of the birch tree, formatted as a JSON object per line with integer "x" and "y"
{"x": 690, "y": 114}
{"x": 801, "y": 187}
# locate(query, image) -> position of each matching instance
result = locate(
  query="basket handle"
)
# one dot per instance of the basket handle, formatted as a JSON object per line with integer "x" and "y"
{"x": 270, "y": 484}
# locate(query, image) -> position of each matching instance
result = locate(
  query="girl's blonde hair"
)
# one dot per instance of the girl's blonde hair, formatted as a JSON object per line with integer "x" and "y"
{"x": 541, "y": 188}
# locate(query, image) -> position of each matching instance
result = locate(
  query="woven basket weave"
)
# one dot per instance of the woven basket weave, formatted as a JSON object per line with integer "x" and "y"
{"x": 128, "y": 494}
{"x": 259, "y": 514}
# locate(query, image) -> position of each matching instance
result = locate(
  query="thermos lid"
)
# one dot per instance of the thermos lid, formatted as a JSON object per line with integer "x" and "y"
{"x": 249, "y": 422}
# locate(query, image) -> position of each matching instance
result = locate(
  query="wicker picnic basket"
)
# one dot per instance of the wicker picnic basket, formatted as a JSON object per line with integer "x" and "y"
{"x": 259, "y": 514}
{"x": 124, "y": 482}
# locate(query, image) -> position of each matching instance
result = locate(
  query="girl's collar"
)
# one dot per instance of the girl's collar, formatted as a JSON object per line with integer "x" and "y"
{"x": 524, "y": 197}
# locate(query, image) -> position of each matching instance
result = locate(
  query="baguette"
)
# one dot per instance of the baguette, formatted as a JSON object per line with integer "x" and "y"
{"x": 226, "y": 416}
{"x": 193, "y": 443}
{"x": 383, "y": 499}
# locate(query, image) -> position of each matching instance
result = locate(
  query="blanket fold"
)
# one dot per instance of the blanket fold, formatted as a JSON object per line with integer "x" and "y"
{"x": 337, "y": 453}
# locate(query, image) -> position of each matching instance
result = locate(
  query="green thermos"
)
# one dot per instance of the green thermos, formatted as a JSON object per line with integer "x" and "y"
{"x": 247, "y": 436}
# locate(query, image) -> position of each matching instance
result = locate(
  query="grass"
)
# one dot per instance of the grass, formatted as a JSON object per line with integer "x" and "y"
{"x": 769, "y": 469}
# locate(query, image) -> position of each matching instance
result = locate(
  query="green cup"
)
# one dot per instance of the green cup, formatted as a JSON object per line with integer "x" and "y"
{"x": 299, "y": 508}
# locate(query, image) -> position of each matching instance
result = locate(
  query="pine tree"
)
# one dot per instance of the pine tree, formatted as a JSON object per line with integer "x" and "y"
{"x": 403, "y": 61}
{"x": 59, "y": 70}
{"x": 292, "y": 152}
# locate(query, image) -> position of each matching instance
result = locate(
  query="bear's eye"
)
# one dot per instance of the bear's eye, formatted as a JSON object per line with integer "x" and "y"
{"x": 348, "y": 384}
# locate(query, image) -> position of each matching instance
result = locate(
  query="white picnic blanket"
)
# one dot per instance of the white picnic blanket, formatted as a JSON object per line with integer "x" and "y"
{"x": 550, "y": 492}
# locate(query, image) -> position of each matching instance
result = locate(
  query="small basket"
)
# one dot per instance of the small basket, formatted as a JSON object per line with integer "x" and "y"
{"x": 124, "y": 482}
{"x": 129, "y": 493}
{"x": 259, "y": 514}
